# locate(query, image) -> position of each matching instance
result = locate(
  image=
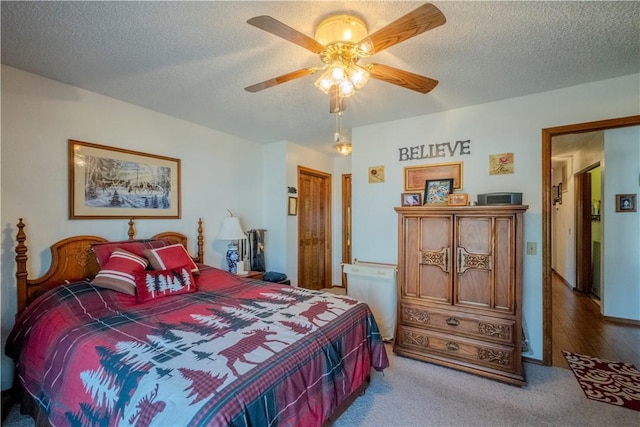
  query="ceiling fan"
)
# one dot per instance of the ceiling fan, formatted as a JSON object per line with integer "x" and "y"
{"x": 341, "y": 41}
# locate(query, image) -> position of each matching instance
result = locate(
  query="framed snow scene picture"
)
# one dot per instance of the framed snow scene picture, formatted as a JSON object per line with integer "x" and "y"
{"x": 107, "y": 182}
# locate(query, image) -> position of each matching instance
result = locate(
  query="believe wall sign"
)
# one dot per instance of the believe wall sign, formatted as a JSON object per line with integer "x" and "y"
{"x": 432, "y": 151}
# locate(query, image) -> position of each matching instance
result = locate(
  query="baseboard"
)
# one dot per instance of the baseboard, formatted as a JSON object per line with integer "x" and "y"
{"x": 620, "y": 320}
{"x": 563, "y": 280}
{"x": 7, "y": 402}
{"x": 532, "y": 361}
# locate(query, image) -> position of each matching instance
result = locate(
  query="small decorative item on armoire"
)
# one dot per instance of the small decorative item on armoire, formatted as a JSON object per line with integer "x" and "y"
{"x": 437, "y": 191}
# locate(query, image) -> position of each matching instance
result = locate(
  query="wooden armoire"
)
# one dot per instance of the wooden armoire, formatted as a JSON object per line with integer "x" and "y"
{"x": 460, "y": 288}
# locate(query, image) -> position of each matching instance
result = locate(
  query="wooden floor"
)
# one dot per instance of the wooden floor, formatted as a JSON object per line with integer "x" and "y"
{"x": 579, "y": 327}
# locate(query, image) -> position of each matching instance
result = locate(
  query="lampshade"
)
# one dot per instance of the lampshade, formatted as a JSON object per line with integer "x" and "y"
{"x": 231, "y": 229}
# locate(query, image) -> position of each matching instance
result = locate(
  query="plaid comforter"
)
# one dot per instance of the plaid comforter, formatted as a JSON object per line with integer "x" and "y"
{"x": 236, "y": 352}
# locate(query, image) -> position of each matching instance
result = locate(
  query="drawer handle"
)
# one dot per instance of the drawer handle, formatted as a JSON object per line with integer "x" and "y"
{"x": 452, "y": 321}
{"x": 452, "y": 346}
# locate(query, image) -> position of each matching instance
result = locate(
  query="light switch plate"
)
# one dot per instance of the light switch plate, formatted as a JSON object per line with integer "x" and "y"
{"x": 532, "y": 248}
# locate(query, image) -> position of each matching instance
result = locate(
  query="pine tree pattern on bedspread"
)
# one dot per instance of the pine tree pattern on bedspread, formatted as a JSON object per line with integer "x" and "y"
{"x": 237, "y": 352}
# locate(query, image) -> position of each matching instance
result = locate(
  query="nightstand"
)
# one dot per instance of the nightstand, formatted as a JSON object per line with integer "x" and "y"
{"x": 255, "y": 275}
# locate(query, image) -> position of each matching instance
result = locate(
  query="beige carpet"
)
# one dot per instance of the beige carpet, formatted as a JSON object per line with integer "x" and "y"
{"x": 335, "y": 290}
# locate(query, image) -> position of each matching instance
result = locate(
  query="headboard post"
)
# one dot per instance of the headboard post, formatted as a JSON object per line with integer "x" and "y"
{"x": 21, "y": 263}
{"x": 131, "y": 232}
{"x": 200, "y": 242}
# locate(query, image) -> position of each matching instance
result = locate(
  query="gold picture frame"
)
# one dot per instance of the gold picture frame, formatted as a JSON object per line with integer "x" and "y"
{"x": 293, "y": 206}
{"x": 415, "y": 176}
{"x": 458, "y": 199}
{"x": 109, "y": 183}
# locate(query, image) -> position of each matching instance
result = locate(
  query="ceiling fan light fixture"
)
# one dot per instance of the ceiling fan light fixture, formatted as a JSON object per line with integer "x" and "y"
{"x": 341, "y": 28}
{"x": 342, "y": 40}
{"x": 325, "y": 82}
{"x": 358, "y": 76}
{"x": 346, "y": 88}
{"x": 337, "y": 70}
{"x": 344, "y": 148}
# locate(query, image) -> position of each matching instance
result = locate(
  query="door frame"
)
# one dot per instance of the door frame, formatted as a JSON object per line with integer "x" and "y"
{"x": 346, "y": 224}
{"x": 326, "y": 220}
{"x": 547, "y": 135}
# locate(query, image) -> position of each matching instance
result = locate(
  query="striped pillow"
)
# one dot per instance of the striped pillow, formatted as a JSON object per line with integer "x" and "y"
{"x": 170, "y": 257}
{"x": 104, "y": 250}
{"x": 119, "y": 272}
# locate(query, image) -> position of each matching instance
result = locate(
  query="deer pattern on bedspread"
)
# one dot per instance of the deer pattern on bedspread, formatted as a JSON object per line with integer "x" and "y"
{"x": 237, "y": 352}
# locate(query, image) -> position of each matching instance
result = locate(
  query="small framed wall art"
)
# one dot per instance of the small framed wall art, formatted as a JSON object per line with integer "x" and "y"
{"x": 293, "y": 206}
{"x": 376, "y": 174}
{"x": 411, "y": 199}
{"x": 626, "y": 203}
{"x": 437, "y": 191}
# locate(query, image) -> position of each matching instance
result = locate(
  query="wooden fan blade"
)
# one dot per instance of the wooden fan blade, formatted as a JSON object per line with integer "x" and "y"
{"x": 275, "y": 27}
{"x": 424, "y": 18}
{"x": 281, "y": 79}
{"x": 402, "y": 78}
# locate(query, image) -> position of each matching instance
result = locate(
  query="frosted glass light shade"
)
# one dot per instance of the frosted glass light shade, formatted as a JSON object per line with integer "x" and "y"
{"x": 341, "y": 28}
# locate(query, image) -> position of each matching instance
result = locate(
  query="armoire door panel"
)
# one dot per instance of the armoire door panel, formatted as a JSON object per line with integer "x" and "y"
{"x": 474, "y": 262}
{"x": 474, "y": 234}
{"x": 436, "y": 259}
{"x": 410, "y": 284}
{"x": 436, "y": 233}
{"x": 473, "y": 288}
{"x": 435, "y": 284}
{"x": 504, "y": 279}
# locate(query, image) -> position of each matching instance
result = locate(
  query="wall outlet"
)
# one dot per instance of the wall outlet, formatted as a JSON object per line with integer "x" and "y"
{"x": 532, "y": 248}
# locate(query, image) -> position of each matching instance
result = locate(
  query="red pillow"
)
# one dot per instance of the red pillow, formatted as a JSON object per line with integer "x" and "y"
{"x": 119, "y": 272}
{"x": 104, "y": 250}
{"x": 162, "y": 283}
{"x": 170, "y": 257}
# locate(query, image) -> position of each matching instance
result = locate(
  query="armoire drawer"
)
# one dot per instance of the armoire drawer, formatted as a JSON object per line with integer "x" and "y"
{"x": 450, "y": 321}
{"x": 463, "y": 349}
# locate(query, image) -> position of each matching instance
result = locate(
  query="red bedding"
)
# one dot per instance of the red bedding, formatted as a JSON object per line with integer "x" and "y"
{"x": 236, "y": 352}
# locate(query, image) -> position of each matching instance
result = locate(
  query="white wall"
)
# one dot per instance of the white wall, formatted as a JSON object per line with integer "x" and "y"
{"x": 512, "y": 125}
{"x": 621, "y": 293}
{"x": 39, "y": 115}
{"x": 276, "y": 220}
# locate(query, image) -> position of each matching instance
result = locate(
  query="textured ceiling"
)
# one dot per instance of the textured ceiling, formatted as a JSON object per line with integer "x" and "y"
{"x": 192, "y": 60}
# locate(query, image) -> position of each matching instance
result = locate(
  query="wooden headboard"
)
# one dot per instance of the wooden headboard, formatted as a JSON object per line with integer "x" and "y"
{"x": 72, "y": 260}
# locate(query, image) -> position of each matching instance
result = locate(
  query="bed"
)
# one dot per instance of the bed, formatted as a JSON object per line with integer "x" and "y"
{"x": 194, "y": 345}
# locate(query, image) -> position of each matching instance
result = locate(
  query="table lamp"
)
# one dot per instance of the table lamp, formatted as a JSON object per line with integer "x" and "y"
{"x": 231, "y": 230}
